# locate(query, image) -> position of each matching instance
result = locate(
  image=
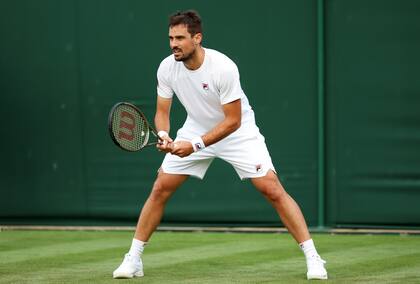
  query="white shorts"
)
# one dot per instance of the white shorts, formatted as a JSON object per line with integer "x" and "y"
{"x": 245, "y": 150}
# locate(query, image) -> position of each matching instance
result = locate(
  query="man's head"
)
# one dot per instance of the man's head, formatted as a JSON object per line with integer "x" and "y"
{"x": 185, "y": 34}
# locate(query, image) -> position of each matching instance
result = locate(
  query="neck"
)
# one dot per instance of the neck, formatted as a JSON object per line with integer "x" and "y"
{"x": 196, "y": 59}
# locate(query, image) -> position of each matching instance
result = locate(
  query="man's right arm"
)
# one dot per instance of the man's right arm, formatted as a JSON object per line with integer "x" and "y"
{"x": 162, "y": 123}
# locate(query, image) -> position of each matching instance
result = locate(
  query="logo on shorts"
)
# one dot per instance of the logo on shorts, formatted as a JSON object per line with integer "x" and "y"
{"x": 258, "y": 168}
{"x": 205, "y": 86}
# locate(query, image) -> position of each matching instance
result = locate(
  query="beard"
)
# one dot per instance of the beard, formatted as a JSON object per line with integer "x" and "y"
{"x": 185, "y": 56}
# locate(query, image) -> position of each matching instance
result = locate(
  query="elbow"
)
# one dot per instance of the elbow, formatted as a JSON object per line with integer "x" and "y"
{"x": 237, "y": 124}
{"x": 234, "y": 125}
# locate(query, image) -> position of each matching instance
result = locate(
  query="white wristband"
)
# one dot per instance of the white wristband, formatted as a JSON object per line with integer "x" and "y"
{"x": 162, "y": 133}
{"x": 197, "y": 144}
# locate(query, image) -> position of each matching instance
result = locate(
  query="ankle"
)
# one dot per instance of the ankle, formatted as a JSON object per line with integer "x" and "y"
{"x": 308, "y": 249}
{"x": 137, "y": 248}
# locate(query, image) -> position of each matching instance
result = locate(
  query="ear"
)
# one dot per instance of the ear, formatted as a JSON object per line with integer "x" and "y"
{"x": 198, "y": 37}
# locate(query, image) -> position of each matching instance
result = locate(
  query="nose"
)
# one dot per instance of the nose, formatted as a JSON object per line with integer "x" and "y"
{"x": 173, "y": 43}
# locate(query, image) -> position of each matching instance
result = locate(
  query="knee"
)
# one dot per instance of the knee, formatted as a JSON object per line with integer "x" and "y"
{"x": 160, "y": 192}
{"x": 273, "y": 192}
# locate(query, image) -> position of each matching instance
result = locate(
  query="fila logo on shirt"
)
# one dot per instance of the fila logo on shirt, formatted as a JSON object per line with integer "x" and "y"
{"x": 205, "y": 86}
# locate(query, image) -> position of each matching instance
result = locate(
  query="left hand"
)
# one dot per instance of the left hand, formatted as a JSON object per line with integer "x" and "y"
{"x": 182, "y": 148}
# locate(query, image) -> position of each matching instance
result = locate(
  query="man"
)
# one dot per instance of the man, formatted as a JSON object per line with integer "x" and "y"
{"x": 220, "y": 123}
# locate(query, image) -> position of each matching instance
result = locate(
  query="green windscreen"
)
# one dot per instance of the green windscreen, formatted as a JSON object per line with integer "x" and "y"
{"x": 66, "y": 63}
{"x": 373, "y": 99}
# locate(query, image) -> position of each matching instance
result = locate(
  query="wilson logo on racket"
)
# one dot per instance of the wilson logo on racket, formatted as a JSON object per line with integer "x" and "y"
{"x": 129, "y": 124}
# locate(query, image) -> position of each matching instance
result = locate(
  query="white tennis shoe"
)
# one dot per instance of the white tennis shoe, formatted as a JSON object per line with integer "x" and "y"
{"x": 316, "y": 269}
{"x": 129, "y": 268}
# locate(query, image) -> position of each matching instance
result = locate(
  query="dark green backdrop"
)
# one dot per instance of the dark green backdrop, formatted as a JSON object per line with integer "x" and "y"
{"x": 335, "y": 86}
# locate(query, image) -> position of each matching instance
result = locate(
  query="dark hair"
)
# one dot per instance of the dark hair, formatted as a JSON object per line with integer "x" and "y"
{"x": 190, "y": 18}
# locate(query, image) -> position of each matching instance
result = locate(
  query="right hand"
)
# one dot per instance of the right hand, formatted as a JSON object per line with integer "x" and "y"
{"x": 165, "y": 143}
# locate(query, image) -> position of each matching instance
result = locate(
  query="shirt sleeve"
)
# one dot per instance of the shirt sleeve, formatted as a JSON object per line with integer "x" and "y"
{"x": 230, "y": 86}
{"x": 163, "y": 87}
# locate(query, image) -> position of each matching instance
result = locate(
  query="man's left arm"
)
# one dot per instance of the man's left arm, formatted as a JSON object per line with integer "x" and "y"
{"x": 229, "y": 124}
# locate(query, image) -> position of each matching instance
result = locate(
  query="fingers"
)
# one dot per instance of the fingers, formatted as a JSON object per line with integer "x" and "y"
{"x": 164, "y": 136}
{"x": 165, "y": 149}
{"x": 165, "y": 145}
{"x": 181, "y": 148}
{"x": 164, "y": 141}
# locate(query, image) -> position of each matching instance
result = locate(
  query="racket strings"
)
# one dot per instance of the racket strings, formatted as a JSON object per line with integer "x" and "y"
{"x": 129, "y": 128}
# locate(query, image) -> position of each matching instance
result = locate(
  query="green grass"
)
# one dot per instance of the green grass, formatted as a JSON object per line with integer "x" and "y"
{"x": 90, "y": 257}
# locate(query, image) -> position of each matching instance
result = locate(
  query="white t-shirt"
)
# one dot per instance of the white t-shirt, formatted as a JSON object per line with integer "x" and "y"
{"x": 203, "y": 91}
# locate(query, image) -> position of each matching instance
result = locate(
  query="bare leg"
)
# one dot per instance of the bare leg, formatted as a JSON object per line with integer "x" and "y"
{"x": 152, "y": 212}
{"x": 286, "y": 207}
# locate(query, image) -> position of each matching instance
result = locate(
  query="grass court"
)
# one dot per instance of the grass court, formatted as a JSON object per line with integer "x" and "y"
{"x": 199, "y": 257}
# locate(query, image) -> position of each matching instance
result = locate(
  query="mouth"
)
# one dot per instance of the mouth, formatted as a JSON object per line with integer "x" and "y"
{"x": 176, "y": 51}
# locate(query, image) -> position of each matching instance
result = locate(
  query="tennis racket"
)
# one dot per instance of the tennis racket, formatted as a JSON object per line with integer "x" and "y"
{"x": 129, "y": 128}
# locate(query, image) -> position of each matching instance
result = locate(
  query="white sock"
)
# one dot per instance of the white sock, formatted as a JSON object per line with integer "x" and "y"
{"x": 308, "y": 248}
{"x": 137, "y": 248}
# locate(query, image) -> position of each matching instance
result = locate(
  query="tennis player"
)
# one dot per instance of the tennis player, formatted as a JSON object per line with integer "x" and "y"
{"x": 220, "y": 124}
